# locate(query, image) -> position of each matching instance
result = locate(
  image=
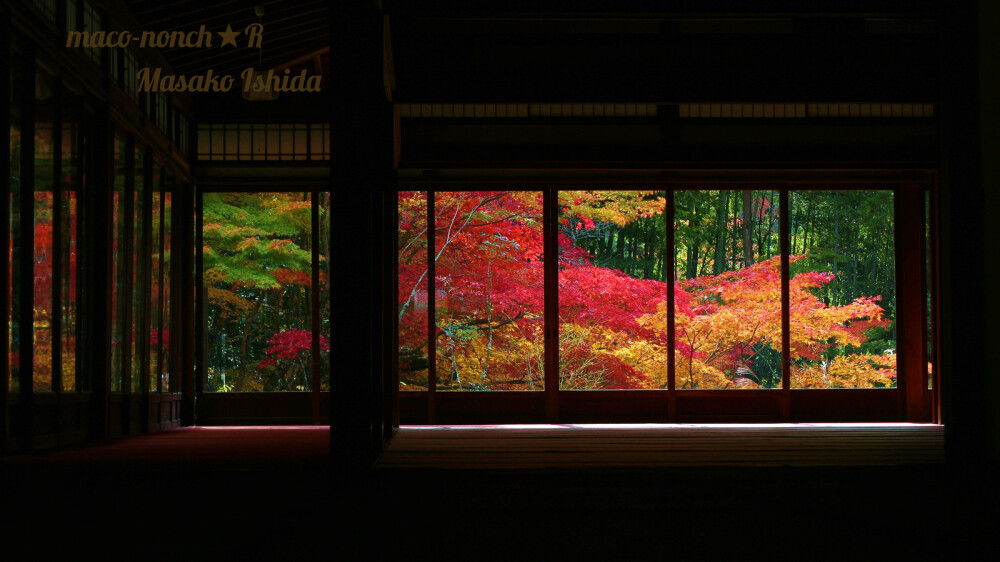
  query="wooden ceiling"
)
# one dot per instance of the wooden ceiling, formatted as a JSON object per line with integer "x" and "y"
{"x": 592, "y": 50}
{"x": 596, "y": 51}
{"x": 296, "y": 33}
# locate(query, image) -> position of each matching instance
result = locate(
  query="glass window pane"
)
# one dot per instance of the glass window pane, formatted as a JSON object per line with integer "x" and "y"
{"x": 15, "y": 258}
{"x": 412, "y": 272}
{"x": 204, "y": 141}
{"x": 301, "y": 149}
{"x": 245, "y": 145}
{"x": 164, "y": 335}
{"x": 118, "y": 264}
{"x": 115, "y": 60}
{"x": 489, "y": 290}
{"x": 612, "y": 290}
{"x": 139, "y": 250}
{"x": 183, "y": 134}
{"x": 68, "y": 249}
{"x": 273, "y": 141}
{"x": 257, "y": 273}
{"x": 232, "y": 144}
{"x": 325, "y": 279}
{"x": 316, "y": 143}
{"x": 842, "y": 289}
{"x": 43, "y": 246}
{"x": 218, "y": 144}
{"x": 928, "y": 280}
{"x": 155, "y": 286}
{"x": 259, "y": 142}
{"x": 71, "y": 15}
{"x": 287, "y": 143}
{"x": 92, "y": 24}
{"x": 727, "y": 302}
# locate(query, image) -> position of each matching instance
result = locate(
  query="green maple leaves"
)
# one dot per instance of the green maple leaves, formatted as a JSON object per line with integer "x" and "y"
{"x": 249, "y": 236}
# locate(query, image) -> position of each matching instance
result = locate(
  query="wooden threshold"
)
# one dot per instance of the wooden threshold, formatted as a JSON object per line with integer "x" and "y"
{"x": 656, "y": 445}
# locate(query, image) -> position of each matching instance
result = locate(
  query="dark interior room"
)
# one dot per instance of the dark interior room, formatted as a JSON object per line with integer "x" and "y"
{"x": 706, "y": 280}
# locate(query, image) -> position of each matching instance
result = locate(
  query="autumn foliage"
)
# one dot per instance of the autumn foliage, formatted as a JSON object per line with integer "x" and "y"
{"x": 291, "y": 345}
{"x": 489, "y": 303}
{"x": 258, "y": 279}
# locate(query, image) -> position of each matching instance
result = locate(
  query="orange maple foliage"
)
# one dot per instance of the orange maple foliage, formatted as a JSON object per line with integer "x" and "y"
{"x": 733, "y": 317}
{"x": 489, "y": 307}
{"x": 617, "y": 207}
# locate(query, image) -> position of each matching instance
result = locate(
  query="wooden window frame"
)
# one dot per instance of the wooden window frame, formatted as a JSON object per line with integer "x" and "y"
{"x": 220, "y": 408}
{"x": 280, "y": 142}
{"x": 910, "y": 401}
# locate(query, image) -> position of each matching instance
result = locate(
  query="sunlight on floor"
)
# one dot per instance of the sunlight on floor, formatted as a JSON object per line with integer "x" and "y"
{"x": 658, "y": 426}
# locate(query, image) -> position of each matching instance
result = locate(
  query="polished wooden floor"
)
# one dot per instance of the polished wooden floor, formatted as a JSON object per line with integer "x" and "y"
{"x": 645, "y": 493}
{"x": 198, "y": 448}
{"x": 663, "y": 445}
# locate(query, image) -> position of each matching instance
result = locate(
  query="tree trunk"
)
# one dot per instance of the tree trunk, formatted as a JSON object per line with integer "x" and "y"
{"x": 836, "y": 233}
{"x": 633, "y": 253}
{"x": 326, "y": 292}
{"x": 770, "y": 222}
{"x": 854, "y": 261}
{"x": 649, "y": 257}
{"x": 606, "y": 244}
{"x": 721, "y": 213}
{"x": 794, "y": 223}
{"x": 245, "y": 336}
{"x": 747, "y": 229}
{"x": 692, "y": 262}
{"x": 808, "y": 226}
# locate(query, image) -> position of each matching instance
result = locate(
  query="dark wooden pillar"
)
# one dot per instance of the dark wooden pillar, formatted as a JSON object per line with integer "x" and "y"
{"x": 989, "y": 120}
{"x": 360, "y": 171}
{"x": 26, "y": 239}
{"x": 964, "y": 349}
{"x": 143, "y": 284}
{"x": 5, "y": 86}
{"x": 96, "y": 269}
{"x": 183, "y": 225}
{"x": 910, "y": 296}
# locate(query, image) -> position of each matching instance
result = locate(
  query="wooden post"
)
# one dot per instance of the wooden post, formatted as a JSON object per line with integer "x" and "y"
{"x": 668, "y": 216}
{"x": 184, "y": 245}
{"x": 361, "y": 177}
{"x": 910, "y": 296}
{"x": 97, "y": 246}
{"x": 786, "y": 336}
{"x": 5, "y": 85}
{"x": 26, "y": 238}
{"x": 314, "y": 293}
{"x": 550, "y": 214}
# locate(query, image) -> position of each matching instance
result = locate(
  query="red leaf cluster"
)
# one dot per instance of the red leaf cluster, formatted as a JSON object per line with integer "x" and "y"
{"x": 290, "y": 344}
{"x": 286, "y": 276}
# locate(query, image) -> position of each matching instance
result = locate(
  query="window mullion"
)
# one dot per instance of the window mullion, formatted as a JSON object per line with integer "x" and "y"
{"x": 26, "y": 242}
{"x": 431, "y": 309}
{"x": 910, "y": 318}
{"x": 550, "y": 238}
{"x": 669, "y": 260}
{"x": 161, "y": 290}
{"x": 125, "y": 297}
{"x": 314, "y": 305}
{"x": 56, "y": 273}
{"x": 201, "y": 318}
{"x": 930, "y": 331}
{"x": 786, "y": 358}
{"x": 144, "y": 276}
{"x": 394, "y": 386}
{"x": 6, "y": 195}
